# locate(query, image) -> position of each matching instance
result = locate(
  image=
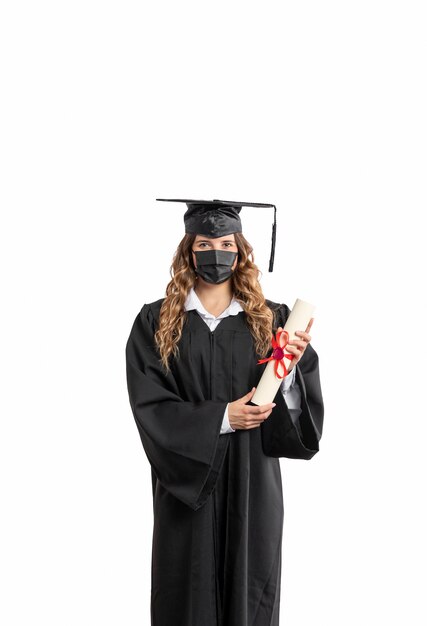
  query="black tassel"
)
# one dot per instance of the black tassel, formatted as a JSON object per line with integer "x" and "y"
{"x": 273, "y": 242}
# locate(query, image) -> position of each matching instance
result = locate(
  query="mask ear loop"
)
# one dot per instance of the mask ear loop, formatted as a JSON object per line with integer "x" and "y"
{"x": 193, "y": 265}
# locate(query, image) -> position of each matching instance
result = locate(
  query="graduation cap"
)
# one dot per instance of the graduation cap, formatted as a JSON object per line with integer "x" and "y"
{"x": 216, "y": 218}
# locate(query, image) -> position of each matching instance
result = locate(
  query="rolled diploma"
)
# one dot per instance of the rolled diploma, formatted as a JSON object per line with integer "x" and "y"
{"x": 269, "y": 383}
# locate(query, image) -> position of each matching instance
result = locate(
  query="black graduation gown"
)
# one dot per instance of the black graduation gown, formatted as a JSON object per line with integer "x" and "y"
{"x": 218, "y": 504}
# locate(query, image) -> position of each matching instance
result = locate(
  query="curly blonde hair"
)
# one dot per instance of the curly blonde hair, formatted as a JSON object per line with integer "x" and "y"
{"x": 246, "y": 289}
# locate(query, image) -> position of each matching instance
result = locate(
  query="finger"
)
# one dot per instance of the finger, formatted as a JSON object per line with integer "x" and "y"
{"x": 310, "y": 324}
{"x": 259, "y": 418}
{"x": 303, "y": 334}
{"x": 300, "y": 343}
{"x": 297, "y": 352}
{"x": 249, "y": 394}
{"x": 257, "y": 410}
{"x": 293, "y": 349}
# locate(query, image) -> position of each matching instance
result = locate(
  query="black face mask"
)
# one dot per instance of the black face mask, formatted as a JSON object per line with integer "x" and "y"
{"x": 214, "y": 266}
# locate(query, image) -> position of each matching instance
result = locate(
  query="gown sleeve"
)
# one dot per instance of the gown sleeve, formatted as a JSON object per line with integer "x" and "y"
{"x": 292, "y": 395}
{"x": 283, "y": 436}
{"x": 181, "y": 439}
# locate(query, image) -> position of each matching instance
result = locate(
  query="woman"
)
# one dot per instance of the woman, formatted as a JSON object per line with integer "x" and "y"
{"x": 192, "y": 367}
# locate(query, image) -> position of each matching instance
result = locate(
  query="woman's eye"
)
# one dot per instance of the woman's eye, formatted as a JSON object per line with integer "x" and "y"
{"x": 226, "y": 244}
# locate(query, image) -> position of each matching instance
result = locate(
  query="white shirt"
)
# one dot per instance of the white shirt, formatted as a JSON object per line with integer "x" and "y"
{"x": 289, "y": 387}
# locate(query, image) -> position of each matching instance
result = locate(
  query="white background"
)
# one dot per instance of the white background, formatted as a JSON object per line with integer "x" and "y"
{"x": 318, "y": 107}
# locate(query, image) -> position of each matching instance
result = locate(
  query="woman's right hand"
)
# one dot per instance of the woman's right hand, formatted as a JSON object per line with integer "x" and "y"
{"x": 242, "y": 416}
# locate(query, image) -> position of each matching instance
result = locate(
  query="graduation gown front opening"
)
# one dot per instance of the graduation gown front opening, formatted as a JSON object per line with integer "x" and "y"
{"x": 217, "y": 498}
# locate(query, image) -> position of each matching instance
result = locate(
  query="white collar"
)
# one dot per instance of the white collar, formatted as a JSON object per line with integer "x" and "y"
{"x": 193, "y": 302}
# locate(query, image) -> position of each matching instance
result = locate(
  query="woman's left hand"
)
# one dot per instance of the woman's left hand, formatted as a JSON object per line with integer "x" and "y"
{"x": 297, "y": 346}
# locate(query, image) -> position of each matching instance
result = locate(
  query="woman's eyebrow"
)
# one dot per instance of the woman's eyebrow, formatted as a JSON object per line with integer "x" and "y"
{"x": 209, "y": 240}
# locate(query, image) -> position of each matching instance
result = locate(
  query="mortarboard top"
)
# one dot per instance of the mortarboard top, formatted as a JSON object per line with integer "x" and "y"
{"x": 216, "y": 218}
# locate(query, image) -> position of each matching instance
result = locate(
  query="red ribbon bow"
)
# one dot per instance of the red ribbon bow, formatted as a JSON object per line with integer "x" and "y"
{"x": 279, "y": 343}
